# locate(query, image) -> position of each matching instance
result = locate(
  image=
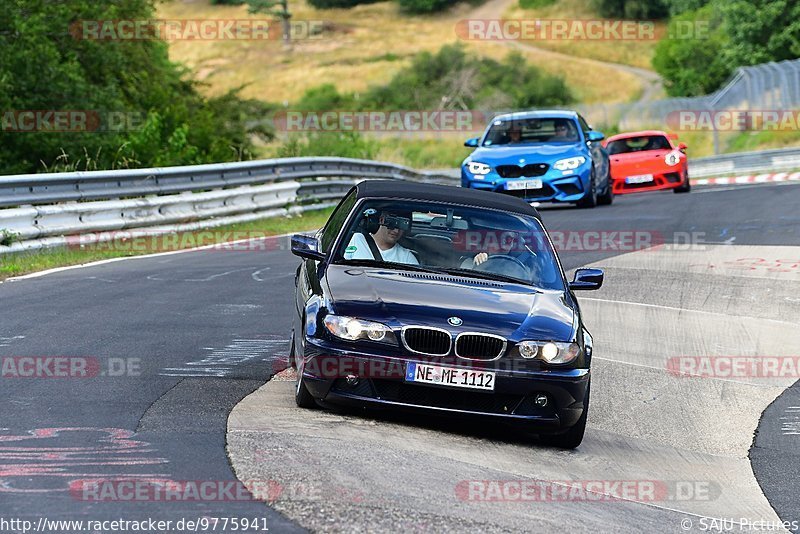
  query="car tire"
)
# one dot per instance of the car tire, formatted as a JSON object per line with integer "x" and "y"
{"x": 589, "y": 200}
{"x": 684, "y": 187}
{"x": 608, "y": 196}
{"x": 302, "y": 397}
{"x": 574, "y": 436}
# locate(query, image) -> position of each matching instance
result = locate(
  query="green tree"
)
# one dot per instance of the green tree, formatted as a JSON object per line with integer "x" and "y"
{"x": 740, "y": 33}
{"x": 631, "y": 9}
{"x": 277, "y": 8}
{"x": 48, "y": 63}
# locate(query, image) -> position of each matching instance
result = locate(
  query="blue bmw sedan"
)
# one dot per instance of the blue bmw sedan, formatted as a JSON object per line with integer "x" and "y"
{"x": 429, "y": 298}
{"x": 540, "y": 156}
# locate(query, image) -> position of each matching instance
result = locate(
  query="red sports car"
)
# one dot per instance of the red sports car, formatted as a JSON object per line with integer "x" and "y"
{"x": 648, "y": 161}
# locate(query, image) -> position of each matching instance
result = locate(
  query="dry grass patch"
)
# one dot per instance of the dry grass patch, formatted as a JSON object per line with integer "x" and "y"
{"x": 637, "y": 53}
{"x": 353, "y": 55}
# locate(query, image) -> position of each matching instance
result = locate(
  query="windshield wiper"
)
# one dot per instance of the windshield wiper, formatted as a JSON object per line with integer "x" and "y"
{"x": 390, "y": 265}
{"x": 485, "y": 275}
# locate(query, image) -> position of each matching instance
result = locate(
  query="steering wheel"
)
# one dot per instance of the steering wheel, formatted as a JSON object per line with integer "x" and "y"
{"x": 505, "y": 265}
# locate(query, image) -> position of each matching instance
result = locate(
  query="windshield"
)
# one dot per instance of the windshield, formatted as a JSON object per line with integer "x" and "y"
{"x": 638, "y": 144}
{"x": 531, "y": 131}
{"x": 458, "y": 240}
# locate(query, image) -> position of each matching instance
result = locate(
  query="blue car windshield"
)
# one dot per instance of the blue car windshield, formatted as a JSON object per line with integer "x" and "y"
{"x": 452, "y": 239}
{"x": 531, "y": 131}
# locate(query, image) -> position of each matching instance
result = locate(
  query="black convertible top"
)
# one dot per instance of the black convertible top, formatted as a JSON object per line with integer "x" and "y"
{"x": 401, "y": 189}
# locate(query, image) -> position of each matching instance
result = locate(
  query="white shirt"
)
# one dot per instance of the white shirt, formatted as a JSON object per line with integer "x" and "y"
{"x": 358, "y": 249}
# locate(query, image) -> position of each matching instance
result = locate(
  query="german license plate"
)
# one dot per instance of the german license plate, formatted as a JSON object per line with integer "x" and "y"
{"x": 639, "y": 179}
{"x": 524, "y": 184}
{"x": 422, "y": 373}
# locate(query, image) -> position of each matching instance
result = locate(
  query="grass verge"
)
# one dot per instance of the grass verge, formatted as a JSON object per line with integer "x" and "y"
{"x": 362, "y": 46}
{"x": 29, "y": 262}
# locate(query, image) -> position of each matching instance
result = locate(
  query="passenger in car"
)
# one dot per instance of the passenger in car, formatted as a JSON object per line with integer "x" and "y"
{"x": 385, "y": 240}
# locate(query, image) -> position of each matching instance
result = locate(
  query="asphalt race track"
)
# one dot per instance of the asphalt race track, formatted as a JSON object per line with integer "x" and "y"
{"x": 200, "y": 332}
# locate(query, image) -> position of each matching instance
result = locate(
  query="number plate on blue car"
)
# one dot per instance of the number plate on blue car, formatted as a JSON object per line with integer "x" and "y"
{"x": 448, "y": 376}
{"x": 524, "y": 184}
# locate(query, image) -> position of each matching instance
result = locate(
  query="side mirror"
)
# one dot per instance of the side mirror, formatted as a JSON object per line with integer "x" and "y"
{"x": 472, "y": 143}
{"x": 594, "y": 136}
{"x": 682, "y": 147}
{"x": 587, "y": 279}
{"x": 306, "y": 247}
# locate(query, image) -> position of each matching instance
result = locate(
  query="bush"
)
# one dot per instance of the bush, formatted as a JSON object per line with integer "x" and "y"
{"x": 330, "y": 4}
{"x": 425, "y": 6}
{"x": 631, "y": 9}
{"x": 453, "y": 79}
{"x": 339, "y": 144}
{"x": 135, "y": 78}
{"x": 325, "y": 97}
{"x": 7, "y": 237}
{"x": 535, "y": 4}
{"x": 693, "y": 67}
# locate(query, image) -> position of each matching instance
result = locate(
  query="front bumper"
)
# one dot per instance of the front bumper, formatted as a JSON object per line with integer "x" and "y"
{"x": 661, "y": 181}
{"x": 556, "y": 186}
{"x": 381, "y": 385}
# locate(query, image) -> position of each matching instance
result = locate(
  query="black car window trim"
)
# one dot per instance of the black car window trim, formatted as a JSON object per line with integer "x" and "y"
{"x": 351, "y": 194}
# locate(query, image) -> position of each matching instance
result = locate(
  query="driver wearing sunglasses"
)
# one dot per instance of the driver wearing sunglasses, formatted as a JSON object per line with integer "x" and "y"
{"x": 392, "y": 228}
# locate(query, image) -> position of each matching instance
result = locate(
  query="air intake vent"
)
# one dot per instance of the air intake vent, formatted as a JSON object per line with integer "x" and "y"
{"x": 455, "y": 279}
{"x": 428, "y": 341}
{"x": 476, "y": 346}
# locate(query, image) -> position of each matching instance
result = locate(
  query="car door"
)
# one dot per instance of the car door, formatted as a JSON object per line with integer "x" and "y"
{"x": 307, "y": 277}
{"x": 599, "y": 155}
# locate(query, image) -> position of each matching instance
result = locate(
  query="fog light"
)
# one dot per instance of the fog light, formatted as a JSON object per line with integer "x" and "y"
{"x": 540, "y": 400}
{"x": 351, "y": 380}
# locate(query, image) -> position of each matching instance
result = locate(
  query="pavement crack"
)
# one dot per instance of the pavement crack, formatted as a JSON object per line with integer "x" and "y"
{"x": 156, "y": 401}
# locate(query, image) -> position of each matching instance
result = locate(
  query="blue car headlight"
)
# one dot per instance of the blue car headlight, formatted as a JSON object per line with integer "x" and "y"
{"x": 353, "y": 329}
{"x": 549, "y": 351}
{"x": 569, "y": 164}
{"x": 478, "y": 168}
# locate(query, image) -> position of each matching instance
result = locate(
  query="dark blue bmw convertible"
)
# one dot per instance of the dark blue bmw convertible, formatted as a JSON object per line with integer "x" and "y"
{"x": 439, "y": 299}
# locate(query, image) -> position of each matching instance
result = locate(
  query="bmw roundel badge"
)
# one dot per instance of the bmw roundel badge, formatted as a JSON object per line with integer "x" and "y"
{"x": 455, "y": 321}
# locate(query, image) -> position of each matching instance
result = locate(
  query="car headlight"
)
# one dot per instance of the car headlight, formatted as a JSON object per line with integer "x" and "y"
{"x": 476, "y": 167}
{"x": 549, "y": 351}
{"x": 569, "y": 163}
{"x": 672, "y": 159}
{"x": 353, "y": 329}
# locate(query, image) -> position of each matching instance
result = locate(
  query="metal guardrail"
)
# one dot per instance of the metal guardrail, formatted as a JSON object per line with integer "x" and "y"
{"x": 97, "y": 185}
{"x": 42, "y": 209}
{"x": 784, "y": 159}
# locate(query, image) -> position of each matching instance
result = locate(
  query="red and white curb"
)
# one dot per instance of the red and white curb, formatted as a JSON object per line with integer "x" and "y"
{"x": 750, "y": 179}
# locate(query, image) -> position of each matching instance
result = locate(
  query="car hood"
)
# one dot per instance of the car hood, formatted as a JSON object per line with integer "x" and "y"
{"x": 401, "y": 298}
{"x": 539, "y": 153}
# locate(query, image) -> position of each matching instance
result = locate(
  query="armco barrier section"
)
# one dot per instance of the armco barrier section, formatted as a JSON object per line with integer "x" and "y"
{"x": 41, "y": 209}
